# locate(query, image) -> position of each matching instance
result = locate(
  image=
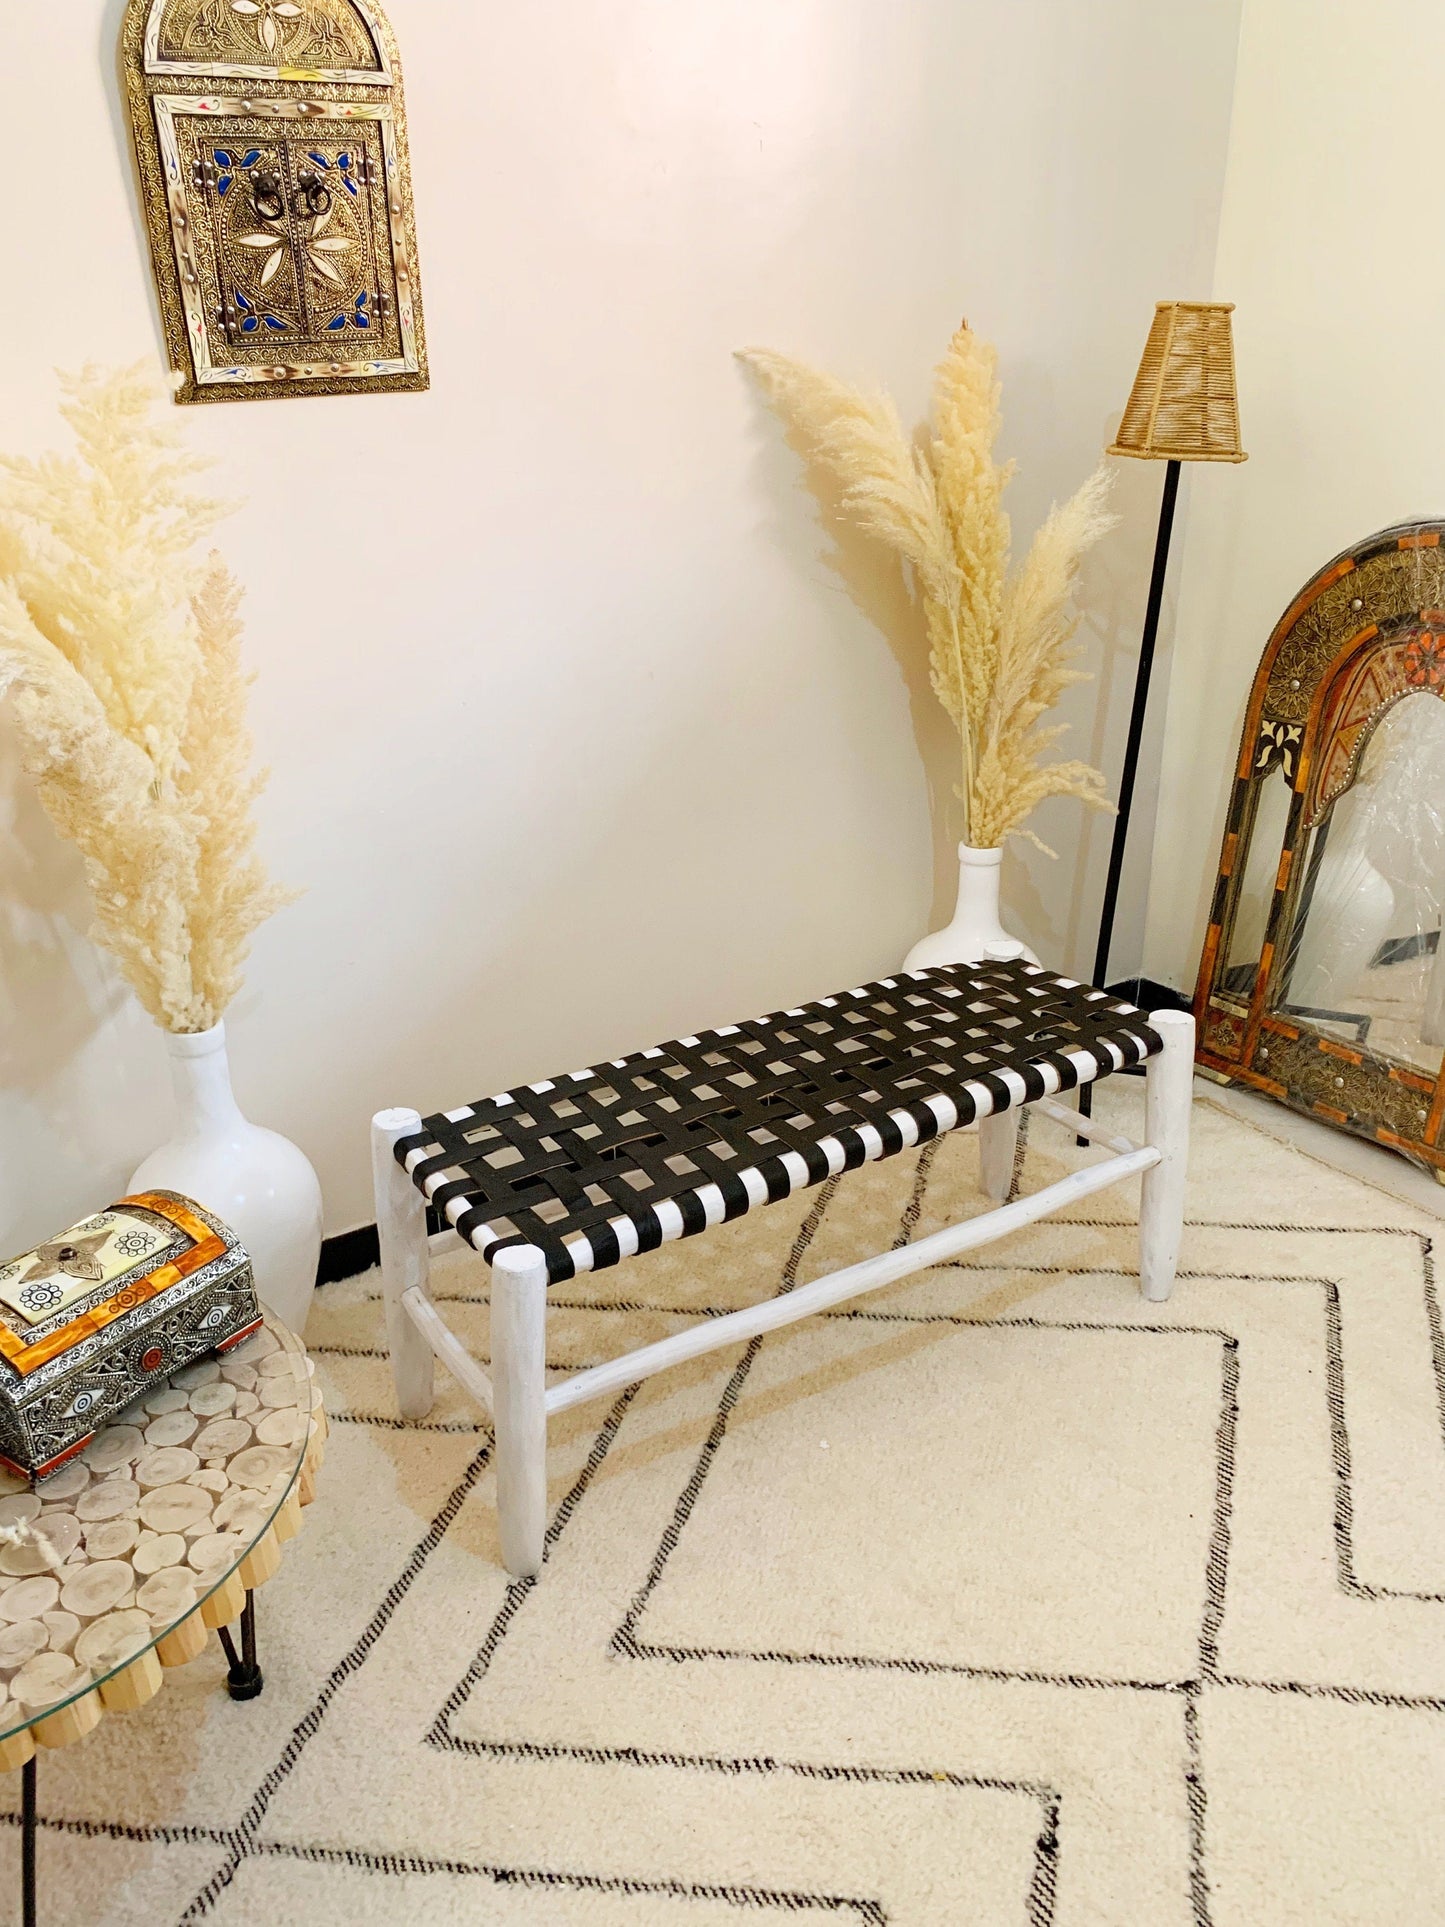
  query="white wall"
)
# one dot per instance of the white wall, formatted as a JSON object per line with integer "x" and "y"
{"x": 579, "y": 739}
{"x": 1327, "y": 248}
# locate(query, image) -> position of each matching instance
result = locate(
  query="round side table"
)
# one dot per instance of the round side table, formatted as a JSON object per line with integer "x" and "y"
{"x": 122, "y": 1563}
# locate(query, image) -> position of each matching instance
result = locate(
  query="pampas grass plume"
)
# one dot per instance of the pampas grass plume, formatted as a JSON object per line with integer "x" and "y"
{"x": 120, "y": 657}
{"x": 1000, "y": 649}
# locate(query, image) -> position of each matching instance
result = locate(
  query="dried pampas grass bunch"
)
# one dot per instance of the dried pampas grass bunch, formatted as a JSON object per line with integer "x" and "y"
{"x": 1000, "y": 650}
{"x": 120, "y": 654}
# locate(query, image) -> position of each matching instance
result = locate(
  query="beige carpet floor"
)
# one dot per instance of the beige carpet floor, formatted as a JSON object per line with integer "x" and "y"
{"x": 1001, "y": 1598}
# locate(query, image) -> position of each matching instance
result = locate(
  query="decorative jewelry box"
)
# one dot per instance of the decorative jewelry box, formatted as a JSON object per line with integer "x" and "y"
{"x": 99, "y": 1315}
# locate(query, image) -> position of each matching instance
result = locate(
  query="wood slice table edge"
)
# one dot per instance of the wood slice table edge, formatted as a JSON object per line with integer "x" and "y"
{"x": 224, "y": 1593}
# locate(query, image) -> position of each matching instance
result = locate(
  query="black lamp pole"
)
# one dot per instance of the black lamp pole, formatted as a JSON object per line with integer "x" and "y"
{"x": 1136, "y": 724}
{"x": 1135, "y": 738}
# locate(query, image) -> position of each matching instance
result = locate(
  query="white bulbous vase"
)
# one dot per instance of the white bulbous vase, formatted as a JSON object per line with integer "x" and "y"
{"x": 256, "y": 1180}
{"x": 975, "y": 929}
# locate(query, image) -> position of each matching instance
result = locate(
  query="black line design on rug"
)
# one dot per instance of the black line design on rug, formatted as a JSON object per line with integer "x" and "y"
{"x": 1040, "y": 1897}
{"x": 1343, "y": 1515}
{"x": 626, "y": 1644}
{"x": 1358, "y": 1589}
{"x": 1039, "y": 1901}
{"x": 734, "y": 1894}
{"x": 242, "y": 1843}
{"x": 1344, "y": 1507}
{"x": 517, "y": 1590}
{"x": 306, "y": 1727}
{"x": 622, "y": 1639}
{"x": 357, "y": 1859}
{"x": 1207, "y": 1674}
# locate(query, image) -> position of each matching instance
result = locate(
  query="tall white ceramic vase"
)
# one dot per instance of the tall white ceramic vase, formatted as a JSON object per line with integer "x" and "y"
{"x": 975, "y": 928}
{"x": 257, "y": 1181}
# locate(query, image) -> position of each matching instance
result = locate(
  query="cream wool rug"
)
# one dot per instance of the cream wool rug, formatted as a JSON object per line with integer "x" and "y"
{"x": 1000, "y": 1598}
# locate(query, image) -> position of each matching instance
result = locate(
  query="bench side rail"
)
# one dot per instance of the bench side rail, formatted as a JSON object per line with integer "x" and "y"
{"x": 1080, "y": 1126}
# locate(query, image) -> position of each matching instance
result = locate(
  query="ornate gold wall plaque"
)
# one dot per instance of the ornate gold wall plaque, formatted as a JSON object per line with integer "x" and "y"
{"x": 271, "y": 137}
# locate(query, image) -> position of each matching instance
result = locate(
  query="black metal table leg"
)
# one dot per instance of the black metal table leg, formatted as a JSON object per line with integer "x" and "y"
{"x": 244, "y": 1683}
{"x": 27, "y": 1842}
{"x": 245, "y": 1679}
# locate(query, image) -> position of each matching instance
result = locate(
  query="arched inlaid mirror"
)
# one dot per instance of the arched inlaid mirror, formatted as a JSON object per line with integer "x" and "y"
{"x": 1323, "y": 975}
{"x": 271, "y": 139}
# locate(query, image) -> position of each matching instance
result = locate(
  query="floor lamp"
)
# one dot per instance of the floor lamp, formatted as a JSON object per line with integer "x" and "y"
{"x": 1182, "y": 408}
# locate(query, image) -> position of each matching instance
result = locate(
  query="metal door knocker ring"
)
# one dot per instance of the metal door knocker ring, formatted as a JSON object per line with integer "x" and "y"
{"x": 266, "y": 196}
{"x": 315, "y": 197}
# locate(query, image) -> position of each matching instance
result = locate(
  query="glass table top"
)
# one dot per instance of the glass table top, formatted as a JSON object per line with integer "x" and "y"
{"x": 106, "y": 1557}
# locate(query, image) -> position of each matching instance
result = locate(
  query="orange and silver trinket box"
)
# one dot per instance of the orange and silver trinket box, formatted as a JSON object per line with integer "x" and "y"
{"x": 96, "y": 1318}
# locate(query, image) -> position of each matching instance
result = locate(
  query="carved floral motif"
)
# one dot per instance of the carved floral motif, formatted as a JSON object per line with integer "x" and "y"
{"x": 1382, "y": 589}
{"x": 1423, "y": 661}
{"x": 1410, "y": 664}
{"x": 296, "y": 251}
{"x": 1223, "y": 1031}
{"x": 310, "y": 33}
{"x": 1278, "y": 743}
{"x": 1366, "y": 1093}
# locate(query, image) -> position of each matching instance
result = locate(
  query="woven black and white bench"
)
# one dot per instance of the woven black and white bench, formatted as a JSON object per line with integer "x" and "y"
{"x": 578, "y": 1172}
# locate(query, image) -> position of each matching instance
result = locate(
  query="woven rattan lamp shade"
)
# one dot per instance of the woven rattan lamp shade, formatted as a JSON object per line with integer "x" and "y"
{"x": 1183, "y": 406}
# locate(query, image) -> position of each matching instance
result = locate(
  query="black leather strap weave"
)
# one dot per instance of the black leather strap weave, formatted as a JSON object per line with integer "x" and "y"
{"x": 622, "y": 1157}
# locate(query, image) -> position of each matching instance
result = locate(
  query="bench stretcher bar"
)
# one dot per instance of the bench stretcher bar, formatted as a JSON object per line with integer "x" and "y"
{"x": 713, "y": 1334}
{"x": 1080, "y": 1126}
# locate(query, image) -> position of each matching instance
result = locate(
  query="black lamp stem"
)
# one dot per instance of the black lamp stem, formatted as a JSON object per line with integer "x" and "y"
{"x": 1136, "y": 723}
{"x": 1135, "y": 738}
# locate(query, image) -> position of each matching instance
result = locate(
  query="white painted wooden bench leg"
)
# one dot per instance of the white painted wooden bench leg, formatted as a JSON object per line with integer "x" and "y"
{"x": 998, "y": 1138}
{"x": 1169, "y": 1093}
{"x": 519, "y": 1392}
{"x": 401, "y": 1232}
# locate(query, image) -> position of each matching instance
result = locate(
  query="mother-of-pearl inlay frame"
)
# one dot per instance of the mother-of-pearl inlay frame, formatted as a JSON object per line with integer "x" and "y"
{"x": 1322, "y": 981}
{"x": 271, "y": 141}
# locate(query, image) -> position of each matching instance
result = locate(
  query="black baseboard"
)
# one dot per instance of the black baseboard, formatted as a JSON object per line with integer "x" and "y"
{"x": 1149, "y": 995}
{"x": 350, "y": 1252}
